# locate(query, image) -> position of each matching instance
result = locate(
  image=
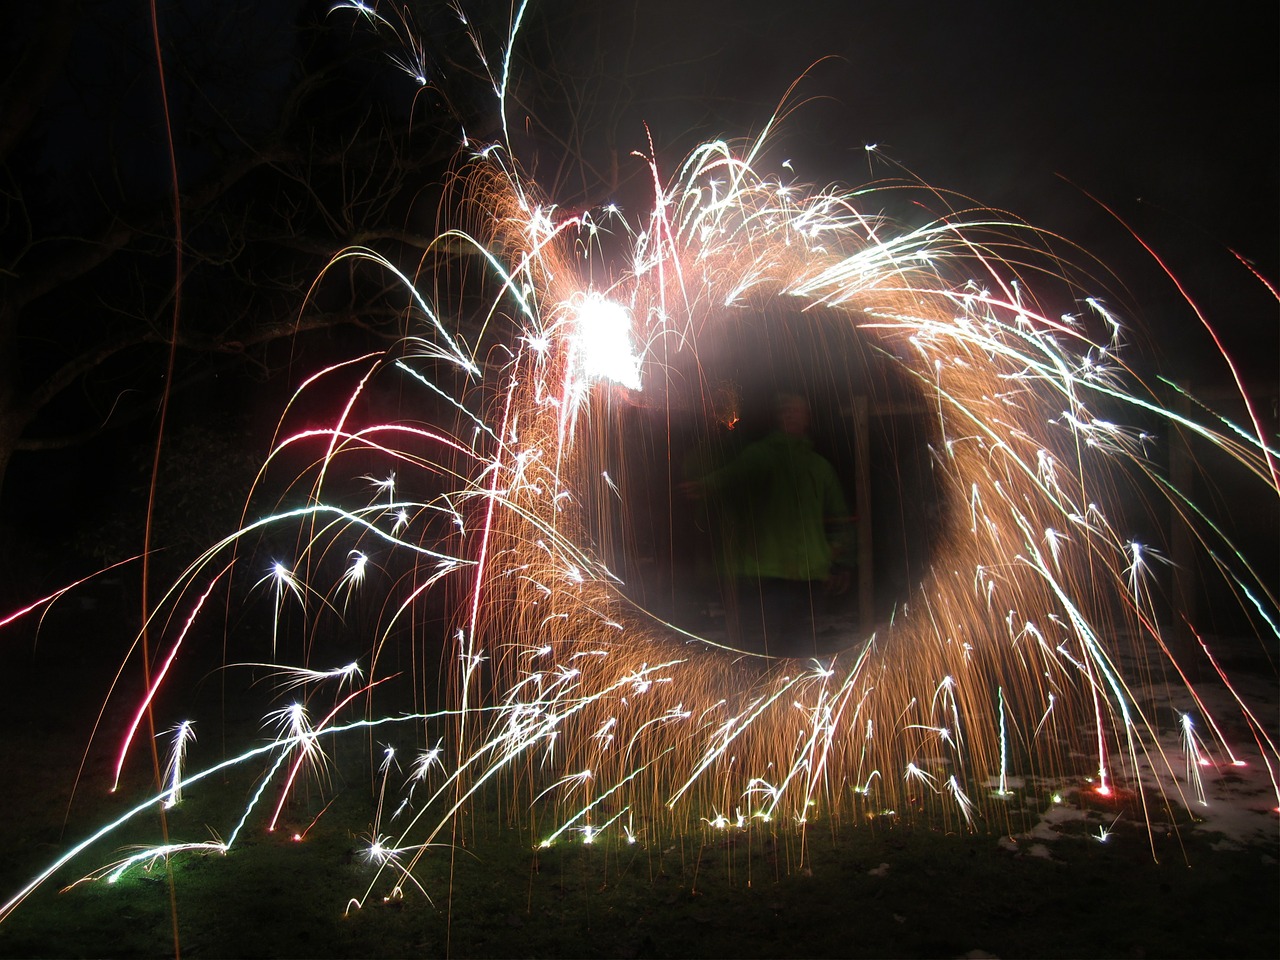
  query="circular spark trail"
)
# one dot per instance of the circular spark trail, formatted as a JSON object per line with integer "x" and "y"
{"x": 1020, "y": 650}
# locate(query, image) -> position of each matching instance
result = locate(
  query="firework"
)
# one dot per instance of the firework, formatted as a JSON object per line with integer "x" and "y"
{"x": 487, "y": 548}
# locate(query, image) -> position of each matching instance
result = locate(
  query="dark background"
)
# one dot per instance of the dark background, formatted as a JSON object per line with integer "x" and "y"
{"x": 1167, "y": 116}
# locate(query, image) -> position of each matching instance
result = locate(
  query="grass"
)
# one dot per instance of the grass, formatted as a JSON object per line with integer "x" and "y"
{"x": 879, "y": 890}
{"x": 885, "y": 888}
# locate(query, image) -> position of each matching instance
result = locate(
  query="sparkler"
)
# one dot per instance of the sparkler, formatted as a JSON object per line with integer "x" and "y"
{"x": 1019, "y": 645}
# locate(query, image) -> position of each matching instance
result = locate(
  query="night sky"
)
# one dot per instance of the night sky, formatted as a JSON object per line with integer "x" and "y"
{"x": 1168, "y": 114}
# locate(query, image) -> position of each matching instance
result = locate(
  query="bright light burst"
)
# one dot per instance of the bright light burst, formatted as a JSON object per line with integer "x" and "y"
{"x": 1019, "y": 650}
{"x": 603, "y": 336}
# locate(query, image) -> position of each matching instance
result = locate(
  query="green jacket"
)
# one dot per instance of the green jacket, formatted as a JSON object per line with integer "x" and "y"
{"x": 787, "y": 510}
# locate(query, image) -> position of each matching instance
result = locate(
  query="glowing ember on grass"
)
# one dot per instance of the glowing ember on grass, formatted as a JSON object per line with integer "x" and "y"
{"x": 1016, "y": 653}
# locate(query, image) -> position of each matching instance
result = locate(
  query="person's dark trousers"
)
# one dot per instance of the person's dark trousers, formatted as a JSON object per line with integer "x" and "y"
{"x": 776, "y": 615}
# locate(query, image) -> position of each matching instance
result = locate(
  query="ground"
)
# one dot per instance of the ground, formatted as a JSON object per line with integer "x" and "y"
{"x": 1083, "y": 877}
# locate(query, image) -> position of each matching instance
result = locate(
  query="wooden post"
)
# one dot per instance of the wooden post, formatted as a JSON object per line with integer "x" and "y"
{"x": 862, "y": 499}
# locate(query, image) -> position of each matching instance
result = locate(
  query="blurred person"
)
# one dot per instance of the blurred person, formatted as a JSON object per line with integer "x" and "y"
{"x": 791, "y": 530}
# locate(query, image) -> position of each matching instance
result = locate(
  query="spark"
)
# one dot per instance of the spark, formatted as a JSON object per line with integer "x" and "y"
{"x": 294, "y": 677}
{"x": 1195, "y": 758}
{"x": 1104, "y": 832}
{"x": 385, "y": 486}
{"x": 183, "y": 734}
{"x": 286, "y": 584}
{"x": 355, "y": 573}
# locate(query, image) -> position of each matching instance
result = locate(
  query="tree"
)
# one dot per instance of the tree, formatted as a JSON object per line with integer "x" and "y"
{"x": 293, "y": 138}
